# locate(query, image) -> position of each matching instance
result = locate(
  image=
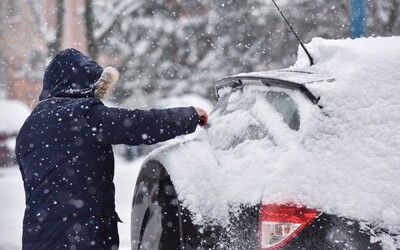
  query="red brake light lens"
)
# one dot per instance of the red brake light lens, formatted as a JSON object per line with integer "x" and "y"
{"x": 3, "y": 137}
{"x": 278, "y": 224}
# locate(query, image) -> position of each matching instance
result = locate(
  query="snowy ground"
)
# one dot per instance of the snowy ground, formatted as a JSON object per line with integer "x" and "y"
{"x": 12, "y": 203}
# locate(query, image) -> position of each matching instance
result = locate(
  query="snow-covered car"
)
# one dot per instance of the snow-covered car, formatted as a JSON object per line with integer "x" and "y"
{"x": 13, "y": 114}
{"x": 306, "y": 157}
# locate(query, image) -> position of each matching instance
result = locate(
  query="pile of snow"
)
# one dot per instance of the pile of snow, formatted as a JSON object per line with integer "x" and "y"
{"x": 344, "y": 159}
{"x": 13, "y": 114}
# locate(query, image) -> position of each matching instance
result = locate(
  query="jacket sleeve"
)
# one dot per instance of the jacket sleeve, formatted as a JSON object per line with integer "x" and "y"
{"x": 135, "y": 127}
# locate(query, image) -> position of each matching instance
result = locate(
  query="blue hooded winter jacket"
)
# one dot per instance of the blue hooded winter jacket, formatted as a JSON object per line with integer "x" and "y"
{"x": 65, "y": 155}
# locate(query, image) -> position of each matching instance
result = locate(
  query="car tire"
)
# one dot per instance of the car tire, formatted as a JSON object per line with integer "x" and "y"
{"x": 155, "y": 220}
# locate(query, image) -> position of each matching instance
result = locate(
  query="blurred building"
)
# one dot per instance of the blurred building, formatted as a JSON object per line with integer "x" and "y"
{"x": 27, "y": 28}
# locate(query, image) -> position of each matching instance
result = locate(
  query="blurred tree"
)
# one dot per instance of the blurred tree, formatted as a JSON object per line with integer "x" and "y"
{"x": 97, "y": 29}
{"x": 109, "y": 14}
{"x": 383, "y": 17}
{"x": 52, "y": 34}
{"x": 174, "y": 47}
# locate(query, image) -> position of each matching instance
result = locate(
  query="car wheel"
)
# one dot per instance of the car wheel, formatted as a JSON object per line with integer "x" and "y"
{"x": 155, "y": 220}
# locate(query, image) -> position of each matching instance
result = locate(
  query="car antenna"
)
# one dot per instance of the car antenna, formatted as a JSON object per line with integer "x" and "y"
{"x": 298, "y": 39}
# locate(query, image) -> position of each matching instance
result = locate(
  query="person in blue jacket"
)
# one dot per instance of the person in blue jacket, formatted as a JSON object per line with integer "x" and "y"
{"x": 64, "y": 151}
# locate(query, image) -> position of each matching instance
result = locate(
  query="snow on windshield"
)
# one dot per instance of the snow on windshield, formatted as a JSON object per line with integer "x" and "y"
{"x": 344, "y": 159}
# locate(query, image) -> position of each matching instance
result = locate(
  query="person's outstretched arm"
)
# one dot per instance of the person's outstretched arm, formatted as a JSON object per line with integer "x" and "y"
{"x": 134, "y": 127}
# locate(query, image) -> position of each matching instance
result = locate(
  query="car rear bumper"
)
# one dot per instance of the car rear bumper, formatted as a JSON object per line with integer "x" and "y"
{"x": 325, "y": 232}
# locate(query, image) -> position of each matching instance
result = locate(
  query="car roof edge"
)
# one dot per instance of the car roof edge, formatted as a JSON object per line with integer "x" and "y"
{"x": 238, "y": 81}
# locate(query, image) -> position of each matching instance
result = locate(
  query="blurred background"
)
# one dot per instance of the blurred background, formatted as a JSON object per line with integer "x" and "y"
{"x": 167, "y": 50}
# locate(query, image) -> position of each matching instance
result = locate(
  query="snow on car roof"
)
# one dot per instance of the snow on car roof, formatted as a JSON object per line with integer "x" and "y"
{"x": 300, "y": 75}
{"x": 344, "y": 159}
{"x": 13, "y": 114}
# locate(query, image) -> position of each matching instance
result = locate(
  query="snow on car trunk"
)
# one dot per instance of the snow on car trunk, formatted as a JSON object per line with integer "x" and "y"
{"x": 344, "y": 159}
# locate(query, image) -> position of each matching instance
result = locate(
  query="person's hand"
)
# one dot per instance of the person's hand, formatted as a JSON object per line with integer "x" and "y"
{"x": 203, "y": 116}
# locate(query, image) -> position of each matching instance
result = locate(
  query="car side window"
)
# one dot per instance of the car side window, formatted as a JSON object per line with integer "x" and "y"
{"x": 284, "y": 105}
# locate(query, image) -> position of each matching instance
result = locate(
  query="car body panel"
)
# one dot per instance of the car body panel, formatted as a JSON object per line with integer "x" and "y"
{"x": 161, "y": 222}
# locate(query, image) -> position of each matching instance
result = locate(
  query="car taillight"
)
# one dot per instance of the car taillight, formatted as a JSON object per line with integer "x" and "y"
{"x": 278, "y": 224}
{"x": 3, "y": 137}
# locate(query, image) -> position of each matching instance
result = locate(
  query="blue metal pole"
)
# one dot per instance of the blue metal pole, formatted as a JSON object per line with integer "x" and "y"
{"x": 357, "y": 17}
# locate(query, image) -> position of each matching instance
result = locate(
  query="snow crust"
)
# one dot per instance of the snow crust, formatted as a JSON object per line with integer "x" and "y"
{"x": 344, "y": 159}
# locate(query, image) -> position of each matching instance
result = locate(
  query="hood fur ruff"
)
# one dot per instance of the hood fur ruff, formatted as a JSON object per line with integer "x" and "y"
{"x": 103, "y": 86}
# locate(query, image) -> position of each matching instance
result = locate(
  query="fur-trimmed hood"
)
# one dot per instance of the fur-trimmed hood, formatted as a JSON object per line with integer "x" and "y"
{"x": 73, "y": 74}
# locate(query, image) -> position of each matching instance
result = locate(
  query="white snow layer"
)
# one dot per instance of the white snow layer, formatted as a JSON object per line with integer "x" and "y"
{"x": 345, "y": 159}
{"x": 13, "y": 114}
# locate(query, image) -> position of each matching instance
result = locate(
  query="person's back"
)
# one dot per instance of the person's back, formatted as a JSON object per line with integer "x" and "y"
{"x": 67, "y": 174}
{"x": 64, "y": 151}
